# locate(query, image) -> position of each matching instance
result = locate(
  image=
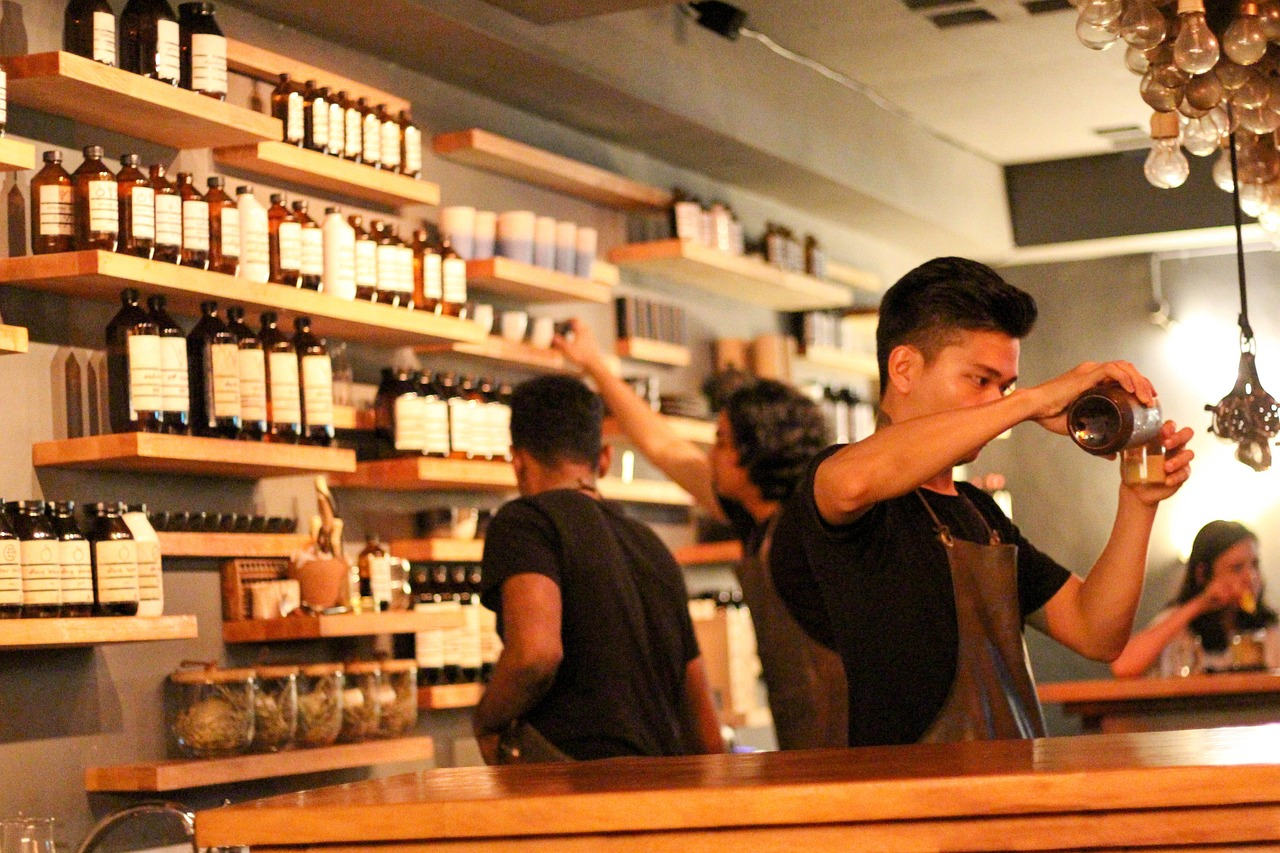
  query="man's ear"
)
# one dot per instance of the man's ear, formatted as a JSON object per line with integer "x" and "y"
{"x": 906, "y": 363}
{"x": 605, "y": 461}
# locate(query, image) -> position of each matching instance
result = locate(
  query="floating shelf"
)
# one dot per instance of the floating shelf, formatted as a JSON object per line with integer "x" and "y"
{"x": 526, "y": 282}
{"x": 175, "y": 544}
{"x": 662, "y": 492}
{"x": 13, "y": 340}
{"x": 94, "y": 630}
{"x": 709, "y": 553}
{"x": 312, "y": 169}
{"x": 201, "y": 772}
{"x": 444, "y": 696}
{"x": 654, "y": 352}
{"x": 102, "y": 275}
{"x": 854, "y": 277}
{"x": 185, "y": 454}
{"x": 853, "y": 363}
{"x": 499, "y": 349}
{"x": 16, "y": 156}
{"x": 68, "y": 85}
{"x": 494, "y": 153}
{"x": 438, "y": 550}
{"x": 267, "y": 66}
{"x": 690, "y": 429}
{"x": 290, "y": 628}
{"x": 747, "y": 279}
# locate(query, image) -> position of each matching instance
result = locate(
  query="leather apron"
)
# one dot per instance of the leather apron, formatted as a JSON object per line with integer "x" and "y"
{"x": 993, "y": 694}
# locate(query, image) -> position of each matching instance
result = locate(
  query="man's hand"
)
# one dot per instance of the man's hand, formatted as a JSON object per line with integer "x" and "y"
{"x": 488, "y": 747}
{"x": 1055, "y": 396}
{"x": 581, "y": 346}
{"x": 1177, "y": 466}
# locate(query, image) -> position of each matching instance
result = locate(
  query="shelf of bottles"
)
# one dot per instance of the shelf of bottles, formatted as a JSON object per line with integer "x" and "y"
{"x": 93, "y": 631}
{"x": 182, "y": 544}
{"x": 182, "y": 774}
{"x": 98, "y": 95}
{"x": 442, "y": 697}
{"x": 690, "y": 429}
{"x": 102, "y": 275}
{"x": 500, "y": 350}
{"x": 654, "y": 352}
{"x": 299, "y": 627}
{"x": 517, "y": 280}
{"x": 438, "y": 550}
{"x": 13, "y": 340}
{"x": 852, "y": 363}
{"x": 745, "y": 278}
{"x": 16, "y": 156}
{"x": 186, "y": 454}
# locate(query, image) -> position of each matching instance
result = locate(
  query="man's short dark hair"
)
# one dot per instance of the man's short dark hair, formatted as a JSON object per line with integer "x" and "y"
{"x": 556, "y": 419}
{"x": 776, "y": 430}
{"x": 928, "y": 306}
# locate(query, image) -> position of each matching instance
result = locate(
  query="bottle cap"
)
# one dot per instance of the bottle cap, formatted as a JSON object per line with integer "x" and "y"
{"x": 142, "y": 508}
{"x": 214, "y": 181}
{"x": 53, "y": 156}
{"x": 299, "y": 204}
{"x": 93, "y": 152}
{"x": 130, "y": 160}
{"x": 209, "y": 307}
{"x": 157, "y": 302}
{"x": 62, "y": 506}
{"x": 277, "y": 198}
{"x": 301, "y": 322}
{"x": 32, "y": 506}
{"x": 244, "y": 189}
{"x": 330, "y": 210}
{"x": 235, "y": 313}
{"x": 200, "y": 8}
{"x": 129, "y": 296}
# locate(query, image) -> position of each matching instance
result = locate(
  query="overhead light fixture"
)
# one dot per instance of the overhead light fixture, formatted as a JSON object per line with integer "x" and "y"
{"x": 722, "y": 18}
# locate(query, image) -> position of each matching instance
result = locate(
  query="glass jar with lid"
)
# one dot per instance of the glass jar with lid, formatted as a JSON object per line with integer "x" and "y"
{"x": 275, "y": 708}
{"x": 361, "y": 708}
{"x": 398, "y": 698}
{"x": 319, "y": 704}
{"x": 212, "y": 711}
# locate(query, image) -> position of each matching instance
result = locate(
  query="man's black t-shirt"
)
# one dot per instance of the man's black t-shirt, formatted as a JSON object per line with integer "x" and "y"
{"x": 625, "y": 624}
{"x": 879, "y": 591}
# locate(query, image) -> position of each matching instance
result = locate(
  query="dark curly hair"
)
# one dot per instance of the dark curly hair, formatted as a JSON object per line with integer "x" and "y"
{"x": 557, "y": 418}
{"x": 776, "y": 430}
{"x": 1210, "y": 543}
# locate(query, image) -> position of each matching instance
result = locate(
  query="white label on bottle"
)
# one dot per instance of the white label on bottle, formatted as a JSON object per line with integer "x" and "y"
{"x": 150, "y": 570}
{"x": 380, "y": 580}
{"x": 320, "y": 122}
{"x": 209, "y": 63}
{"x": 412, "y": 150}
{"x": 294, "y": 127}
{"x": 225, "y": 368}
{"x": 230, "y": 219}
{"x": 104, "y": 37}
{"x": 174, "y": 390}
{"x": 366, "y": 263}
{"x": 143, "y": 213}
{"x": 317, "y": 390}
{"x": 104, "y": 207}
{"x": 57, "y": 217}
{"x": 117, "y": 561}
{"x": 410, "y": 423}
{"x": 460, "y": 425}
{"x": 168, "y": 220}
{"x": 195, "y": 225}
{"x": 77, "y": 575}
{"x": 290, "y": 238}
{"x": 454, "y": 275}
{"x": 286, "y": 400}
{"x": 167, "y": 67}
{"x": 428, "y": 646}
{"x": 469, "y": 653}
{"x": 371, "y": 133}
{"x": 436, "y": 427}
{"x": 353, "y": 143}
{"x": 406, "y": 268}
{"x": 432, "y": 286}
{"x": 253, "y": 384}
{"x": 312, "y": 251}
{"x": 41, "y": 572}
{"x": 389, "y": 277}
{"x": 390, "y": 150}
{"x": 502, "y": 441}
{"x": 145, "y": 370}
{"x": 337, "y": 129}
{"x": 10, "y": 573}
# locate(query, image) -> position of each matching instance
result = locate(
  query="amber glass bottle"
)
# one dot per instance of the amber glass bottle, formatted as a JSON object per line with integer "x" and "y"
{"x": 168, "y": 217}
{"x": 284, "y": 243}
{"x": 287, "y": 105}
{"x": 195, "y": 223}
{"x": 353, "y": 128}
{"x": 390, "y": 140}
{"x": 204, "y": 50}
{"x": 10, "y": 571}
{"x": 150, "y": 40}
{"x": 137, "y": 209}
{"x": 315, "y": 118}
{"x": 311, "y": 243}
{"x": 366, "y": 261}
{"x": 97, "y": 205}
{"x": 370, "y": 133}
{"x": 52, "y": 208}
{"x": 316, "y": 372}
{"x": 115, "y": 562}
{"x": 213, "y": 365}
{"x": 253, "y": 376}
{"x": 133, "y": 368}
{"x": 175, "y": 392}
{"x": 38, "y": 551}
{"x": 89, "y": 30}
{"x": 224, "y": 229}
{"x": 74, "y": 560}
{"x": 284, "y": 396}
{"x": 453, "y": 275}
{"x": 411, "y": 146}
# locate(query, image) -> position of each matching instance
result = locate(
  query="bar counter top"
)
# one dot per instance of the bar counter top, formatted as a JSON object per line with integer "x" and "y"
{"x": 1118, "y": 705}
{"x": 1160, "y": 789}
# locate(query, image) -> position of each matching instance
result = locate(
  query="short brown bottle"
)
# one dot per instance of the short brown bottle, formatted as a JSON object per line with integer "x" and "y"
{"x": 52, "y": 208}
{"x": 410, "y": 146}
{"x": 370, "y": 134}
{"x": 195, "y": 223}
{"x": 315, "y": 118}
{"x": 284, "y": 396}
{"x": 287, "y": 104}
{"x": 115, "y": 562}
{"x": 137, "y": 209}
{"x": 168, "y": 217}
{"x": 97, "y": 203}
{"x": 284, "y": 243}
{"x": 315, "y": 370}
{"x": 366, "y": 261}
{"x": 224, "y": 229}
{"x": 311, "y": 241}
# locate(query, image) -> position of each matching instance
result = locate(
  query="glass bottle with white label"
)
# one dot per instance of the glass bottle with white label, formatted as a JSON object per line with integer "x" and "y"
{"x": 133, "y": 368}
{"x": 89, "y": 30}
{"x": 315, "y": 118}
{"x": 150, "y": 40}
{"x": 97, "y": 206}
{"x": 287, "y": 105}
{"x": 38, "y": 553}
{"x": 435, "y": 417}
{"x": 390, "y": 140}
{"x": 366, "y": 261}
{"x": 224, "y": 229}
{"x": 338, "y": 276}
{"x": 315, "y": 369}
{"x": 398, "y": 414}
{"x": 311, "y": 239}
{"x": 255, "y": 239}
{"x": 410, "y": 146}
{"x": 203, "y": 50}
{"x": 75, "y": 565}
{"x": 370, "y": 133}
{"x": 114, "y": 557}
{"x": 253, "y": 376}
{"x": 10, "y": 571}
{"x": 453, "y": 278}
{"x": 353, "y": 127}
{"x": 195, "y": 223}
{"x": 284, "y": 394}
{"x": 502, "y": 423}
{"x": 337, "y": 123}
{"x": 460, "y": 420}
{"x": 175, "y": 399}
{"x": 52, "y": 208}
{"x": 213, "y": 362}
{"x": 284, "y": 243}
{"x": 168, "y": 217}
{"x": 150, "y": 569}
{"x": 137, "y": 209}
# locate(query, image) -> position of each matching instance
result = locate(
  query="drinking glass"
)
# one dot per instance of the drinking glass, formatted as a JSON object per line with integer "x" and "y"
{"x": 28, "y": 835}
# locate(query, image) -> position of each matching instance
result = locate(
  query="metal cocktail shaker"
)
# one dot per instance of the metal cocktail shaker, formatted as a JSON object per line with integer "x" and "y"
{"x": 1108, "y": 419}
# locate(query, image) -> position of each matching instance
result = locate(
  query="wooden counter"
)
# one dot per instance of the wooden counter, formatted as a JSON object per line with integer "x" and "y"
{"x": 1165, "y": 704}
{"x": 1187, "y": 788}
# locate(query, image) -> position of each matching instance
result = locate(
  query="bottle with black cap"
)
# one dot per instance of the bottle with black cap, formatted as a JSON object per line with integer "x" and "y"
{"x": 73, "y": 558}
{"x": 10, "y": 571}
{"x": 97, "y": 203}
{"x": 284, "y": 396}
{"x": 316, "y": 372}
{"x": 213, "y": 359}
{"x": 134, "y": 368}
{"x": 114, "y": 557}
{"x": 175, "y": 393}
{"x": 38, "y": 553}
{"x": 253, "y": 376}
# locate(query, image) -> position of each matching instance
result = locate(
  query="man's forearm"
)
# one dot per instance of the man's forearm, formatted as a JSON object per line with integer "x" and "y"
{"x": 510, "y": 694}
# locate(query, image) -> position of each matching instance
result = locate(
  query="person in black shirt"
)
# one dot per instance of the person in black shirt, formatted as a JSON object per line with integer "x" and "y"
{"x": 599, "y": 656}
{"x": 920, "y": 582}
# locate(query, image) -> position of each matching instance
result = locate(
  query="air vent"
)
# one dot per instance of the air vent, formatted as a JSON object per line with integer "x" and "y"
{"x": 1125, "y": 137}
{"x": 1044, "y": 7}
{"x": 947, "y": 20}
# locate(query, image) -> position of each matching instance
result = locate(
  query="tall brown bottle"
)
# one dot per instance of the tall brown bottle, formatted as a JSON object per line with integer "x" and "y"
{"x": 10, "y": 571}
{"x": 390, "y": 141}
{"x": 73, "y": 557}
{"x": 287, "y": 104}
{"x": 115, "y": 562}
{"x": 253, "y": 376}
{"x": 133, "y": 369}
{"x": 366, "y": 261}
{"x": 284, "y": 395}
{"x": 195, "y": 223}
{"x": 89, "y": 30}
{"x": 38, "y": 552}
{"x": 370, "y": 133}
{"x": 453, "y": 275}
{"x": 410, "y": 146}
{"x": 53, "y": 217}
{"x": 311, "y": 241}
{"x": 284, "y": 243}
{"x": 353, "y": 128}
{"x": 316, "y": 372}
{"x": 337, "y": 123}
{"x": 315, "y": 118}
{"x": 175, "y": 391}
{"x": 213, "y": 361}
{"x": 150, "y": 41}
{"x": 97, "y": 205}
{"x": 428, "y": 285}
{"x": 224, "y": 229}
{"x": 137, "y": 209}
{"x": 168, "y": 217}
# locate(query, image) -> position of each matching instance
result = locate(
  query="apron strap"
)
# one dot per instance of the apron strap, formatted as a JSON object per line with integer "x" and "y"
{"x": 944, "y": 532}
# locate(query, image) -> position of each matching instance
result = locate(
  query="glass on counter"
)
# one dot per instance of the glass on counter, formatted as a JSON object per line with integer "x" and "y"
{"x": 275, "y": 708}
{"x": 319, "y": 688}
{"x": 361, "y": 707}
{"x": 398, "y": 698}
{"x": 212, "y": 711}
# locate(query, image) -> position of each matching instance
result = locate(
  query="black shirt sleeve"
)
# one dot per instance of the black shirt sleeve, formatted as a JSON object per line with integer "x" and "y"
{"x": 520, "y": 539}
{"x": 790, "y": 566}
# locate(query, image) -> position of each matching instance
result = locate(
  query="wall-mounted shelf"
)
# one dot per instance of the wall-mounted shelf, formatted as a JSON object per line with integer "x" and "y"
{"x": 444, "y": 696}
{"x": 16, "y": 156}
{"x": 526, "y": 282}
{"x": 499, "y": 349}
{"x": 178, "y": 544}
{"x": 267, "y": 66}
{"x": 185, "y": 454}
{"x": 690, "y": 429}
{"x": 662, "y": 492}
{"x": 68, "y": 85}
{"x": 853, "y": 363}
{"x": 748, "y": 279}
{"x": 709, "y": 553}
{"x": 856, "y": 278}
{"x": 294, "y": 628}
{"x": 654, "y": 352}
{"x": 438, "y": 550}
{"x": 94, "y": 630}
{"x": 181, "y": 774}
{"x": 495, "y": 153}
{"x": 13, "y": 340}
{"x": 333, "y": 174}
{"x": 102, "y": 275}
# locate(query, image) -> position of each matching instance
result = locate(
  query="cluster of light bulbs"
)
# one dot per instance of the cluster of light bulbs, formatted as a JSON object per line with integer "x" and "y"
{"x": 1202, "y": 88}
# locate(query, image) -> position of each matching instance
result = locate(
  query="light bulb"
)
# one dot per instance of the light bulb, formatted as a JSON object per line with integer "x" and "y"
{"x": 1196, "y": 49}
{"x": 1100, "y": 13}
{"x": 1136, "y": 60}
{"x": 1244, "y": 42}
{"x": 1097, "y": 36}
{"x": 1252, "y": 198}
{"x": 1141, "y": 24}
{"x": 1202, "y": 136}
{"x": 1222, "y": 171}
{"x": 1259, "y": 120}
{"x": 1166, "y": 167}
{"x": 1269, "y": 14}
{"x": 1232, "y": 76}
{"x": 1204, "y": 91}
{"x": 1254, "y": 93}
{"x": 1158, "y": 96}
{"x": 1189, "y": 110}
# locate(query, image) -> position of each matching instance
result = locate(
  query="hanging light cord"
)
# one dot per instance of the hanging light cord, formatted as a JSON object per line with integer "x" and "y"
{"x": 1246, "y": 331}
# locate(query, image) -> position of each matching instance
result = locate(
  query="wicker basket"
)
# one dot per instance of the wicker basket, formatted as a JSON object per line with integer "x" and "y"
{"x": 241, "y": 573}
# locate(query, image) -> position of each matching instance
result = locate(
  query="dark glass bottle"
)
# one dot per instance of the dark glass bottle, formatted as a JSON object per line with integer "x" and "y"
{"x": 366, "y": 261}
{"x": 150, "y": 40}
{"x": 373, "y": 566}
{"x": 224, "y": 229}
{"x": 284, "y": 243}
{"x": 453, "y": 280}
{"x": 287, "y": 104}
{"x": 195, "y": 223}
{"x": 442, "y": 579}
{"x": 53, "y": 217}
{"x": 168, "y": 217}
{"x": 253, "y": 376}
{"x": 89, "y": 30}
{"x": 133, "y": 368}
{"x": 175, "y": 398}
{"x": 137, "y": 209}
{"x": 461, "y": 417}
{"x": 352, "y": 130}
{"x": 284, "y": 394}
{"x": 370, "y": 134}
{"x": 469, "y": 651}
{"x": 97, "y": 205}
{"x": 502, "y": 422}
{"x": 435, "y": 416}
{"x": 427, "y": 284}
{"x": 315, "y": 118}
{"x": 316, "y": 372}
{"x": 10, "y": 571}
{"x": 410, "y": 146}
{"x": 398, "y": 414}
{"x": 311, "y": 252}
{"x": 390, "y": 141}
{"x": 73, "y": 558}
{"x": 38, "y": 553}
{"x": 203, "y": 50}
{"x": 337, "y": 123}
{"x": 214, "y": 368}
{"x": 486, "y": 419}
{"x": 114, "y": 555}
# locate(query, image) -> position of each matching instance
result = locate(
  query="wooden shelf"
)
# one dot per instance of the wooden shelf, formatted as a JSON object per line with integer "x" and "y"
{"x": 175, "y": 544}
{"x": 690, "y": 429}
{"x": 709, "y": 553}
{"x": 102, "y": 275}
{"x": 499, "y": 349}
{"x": 16, "y": 156}
{"x": 747, "y": 279}
{"x": 68, "y": 85}
{"x": 291, "y": 628}
{"x": 494, "y": 153}
{"x": 94, "y": 630}
{"x": 426, "y": 473}
{"x": 853, "y": 363}
{"x": 185, "y": 454}
{"x": 662, "y": 492}
{"x": 13, "y": 340}
{"x": 854, "y": 277}
{"x": 312, "y": 169}
{"x": 444, "y": 696}
{"x": 201, "y": 772}
{"x": 438, "y": 550}
{"x": 526, "y": 282}
{"x": 267, "y": 66}
{"x": 654, "y": 352}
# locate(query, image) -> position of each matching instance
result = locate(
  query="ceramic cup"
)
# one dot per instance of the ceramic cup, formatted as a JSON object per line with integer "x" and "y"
{"x": 541, "y": 331}
{"x": 515, "y": 235}
{"x": 544, "y": 242}
{"x": 486, "y": 232}
{"x": 458, "y": 223}
{"x": 513, "y": 325}
{"x": 566, "y": 247}
{"x": 482, "y": 316}
{"x": 585, "y": 256}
